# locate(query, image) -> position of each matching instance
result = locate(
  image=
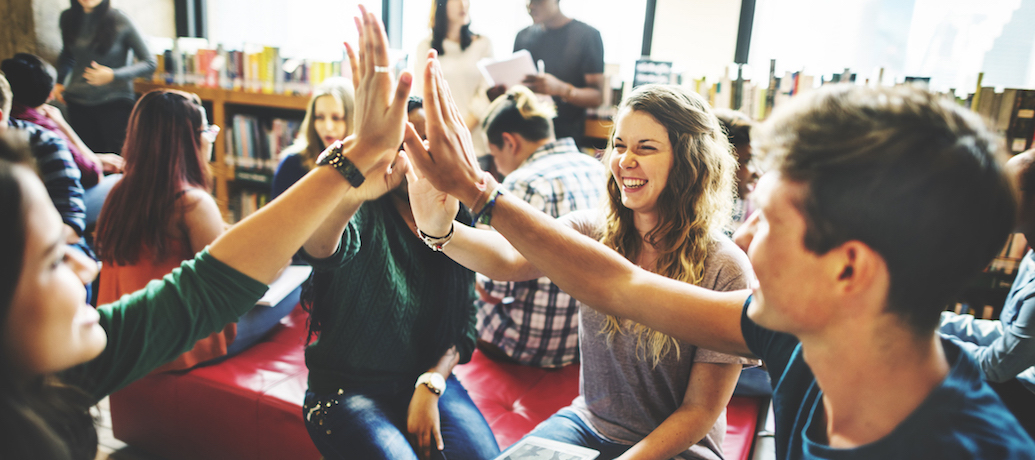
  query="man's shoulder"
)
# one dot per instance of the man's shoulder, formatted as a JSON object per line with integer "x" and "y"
{"x": 584, "y": 28}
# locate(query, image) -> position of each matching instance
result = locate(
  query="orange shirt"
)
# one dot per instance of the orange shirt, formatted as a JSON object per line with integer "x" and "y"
{"x": 118, "y": 280}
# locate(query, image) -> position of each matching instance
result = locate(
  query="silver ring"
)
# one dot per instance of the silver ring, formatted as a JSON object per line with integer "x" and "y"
{"x": 380, "y": 69}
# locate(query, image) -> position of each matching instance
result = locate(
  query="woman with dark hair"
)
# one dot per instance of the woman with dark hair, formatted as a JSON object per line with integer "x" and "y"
{"x": 161, "y": 214}
{"x": 643, "y": 394}
{"x": 737, "y": 127}
{"x": 459, "y": 50}
{"x": 392, "y": 317}
{"x": 328, "y": 118}
{"x": 32, "y": 83}
{"x": 59, "y": 355}
{"x": 95, "y": 80}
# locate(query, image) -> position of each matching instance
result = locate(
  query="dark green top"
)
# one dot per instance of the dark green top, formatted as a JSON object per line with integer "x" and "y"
{"x": 383, "y": 304}
{"x": 156, "y": 324}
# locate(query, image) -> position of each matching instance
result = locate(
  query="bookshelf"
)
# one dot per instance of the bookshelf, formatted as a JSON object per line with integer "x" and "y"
{"x": 223, "y": 105}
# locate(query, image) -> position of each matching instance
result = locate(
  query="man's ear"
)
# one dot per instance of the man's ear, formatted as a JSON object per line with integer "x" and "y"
{"x": 860, "y": 266}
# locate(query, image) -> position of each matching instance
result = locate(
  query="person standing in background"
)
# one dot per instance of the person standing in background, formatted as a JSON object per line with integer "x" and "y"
{"x": 572, "y": 53}
{"x": 95, "y": 76}
{"x": 459, "y": 50}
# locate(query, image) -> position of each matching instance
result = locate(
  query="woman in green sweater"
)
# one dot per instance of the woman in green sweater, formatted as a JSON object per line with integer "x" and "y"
{"x": 59, "y": 355}
{"x": 393, "y": 315}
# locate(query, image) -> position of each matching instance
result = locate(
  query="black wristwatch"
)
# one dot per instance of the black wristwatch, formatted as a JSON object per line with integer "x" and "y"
{"x": 336, "y": 158}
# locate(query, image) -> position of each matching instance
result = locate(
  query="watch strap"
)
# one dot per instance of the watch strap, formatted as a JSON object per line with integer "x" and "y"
{"x": 335, "y": 157}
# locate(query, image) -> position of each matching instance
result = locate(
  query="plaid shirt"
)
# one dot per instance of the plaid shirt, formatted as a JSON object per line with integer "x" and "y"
{"x": 534, "y": 322}
{"x": 59, "y": 173}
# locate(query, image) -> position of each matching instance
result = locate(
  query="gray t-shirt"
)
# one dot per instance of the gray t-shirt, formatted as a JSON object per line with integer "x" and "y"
{"x": 128, "y": 44}
{"x": 622, "y": 396}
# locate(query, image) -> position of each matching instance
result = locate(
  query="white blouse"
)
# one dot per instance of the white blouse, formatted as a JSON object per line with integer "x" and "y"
{"x": 466, "y": 82}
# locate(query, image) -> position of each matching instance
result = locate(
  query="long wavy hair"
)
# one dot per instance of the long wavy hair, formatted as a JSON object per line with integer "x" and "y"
{"x": 41, "y": 418}
{"x": 72, "y": 21}
{"x": 163, "y": 156}
{"x": 695, "y": 205}
{"x": 308, "y": 143}
{"x": 440, "y": 25}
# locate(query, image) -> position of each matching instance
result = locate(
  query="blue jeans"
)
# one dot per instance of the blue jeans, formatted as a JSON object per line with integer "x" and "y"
{"x": 567, "y": 427}
{"x": 370, "y": 423}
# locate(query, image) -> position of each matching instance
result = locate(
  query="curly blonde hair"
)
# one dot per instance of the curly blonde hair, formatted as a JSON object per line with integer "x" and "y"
{"x": 696, "y": 204}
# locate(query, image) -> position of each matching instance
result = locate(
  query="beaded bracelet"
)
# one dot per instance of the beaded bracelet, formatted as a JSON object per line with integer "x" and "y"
{"x": 485, "y": 215}
{"x": 436, "y": 243}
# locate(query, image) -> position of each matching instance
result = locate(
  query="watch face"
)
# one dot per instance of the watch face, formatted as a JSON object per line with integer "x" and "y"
{"x": 437, "y": 381}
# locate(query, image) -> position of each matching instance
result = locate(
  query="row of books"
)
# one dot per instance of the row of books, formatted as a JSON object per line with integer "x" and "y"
{"x": 257, "y": 69}
{"x": 1011, "y": 112}
{"x": 253, "y": 144}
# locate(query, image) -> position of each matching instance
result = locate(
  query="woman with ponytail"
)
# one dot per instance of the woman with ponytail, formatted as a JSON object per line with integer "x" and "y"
{"x": 95, "y": 76}
{"x": 670, "y": 189}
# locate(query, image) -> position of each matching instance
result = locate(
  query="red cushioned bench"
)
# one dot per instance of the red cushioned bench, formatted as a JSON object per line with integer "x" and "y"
{"x": 249, "y": 406}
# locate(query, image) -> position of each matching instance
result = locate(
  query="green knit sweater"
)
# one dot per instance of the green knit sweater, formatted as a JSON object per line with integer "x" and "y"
{"x": 383, "y": 303}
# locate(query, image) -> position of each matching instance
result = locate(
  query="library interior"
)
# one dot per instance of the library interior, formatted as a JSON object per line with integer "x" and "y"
{"x": 807, "y": 229}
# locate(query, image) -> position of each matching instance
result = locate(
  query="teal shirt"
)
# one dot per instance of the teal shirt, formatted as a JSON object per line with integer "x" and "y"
{"x": 154, "y": 325}
{"x": 383, "y": 304}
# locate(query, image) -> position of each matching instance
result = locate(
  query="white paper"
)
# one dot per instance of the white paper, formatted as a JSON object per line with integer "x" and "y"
{"x": 536, "y": 448}
{"x": 291, "y": 278}
{"x": 510, "y": 71}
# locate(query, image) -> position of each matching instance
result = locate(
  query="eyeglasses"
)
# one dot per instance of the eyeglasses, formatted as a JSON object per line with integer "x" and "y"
{"x": 210, "y": 133}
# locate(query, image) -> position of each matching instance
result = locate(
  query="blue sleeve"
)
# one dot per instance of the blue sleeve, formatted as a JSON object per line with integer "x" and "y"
{"x": 775, "y": 348}
{"x": 289, "y": 171}
{"x": 60, "y": 175}
{"x": 1002, "y": 351}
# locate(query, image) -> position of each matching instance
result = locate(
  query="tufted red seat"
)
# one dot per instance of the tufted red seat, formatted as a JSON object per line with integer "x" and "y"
{"x": 249, "y": 406}
{"x": 515, "y": 398}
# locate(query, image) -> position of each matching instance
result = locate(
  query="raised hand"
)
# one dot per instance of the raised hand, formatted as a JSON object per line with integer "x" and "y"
{"x": 449, "y": 163}
{"x": 433, "y": 210}
{"x": 379, "y": 116}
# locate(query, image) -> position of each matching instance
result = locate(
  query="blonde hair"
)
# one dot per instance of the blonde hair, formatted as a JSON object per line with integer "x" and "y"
{"x": 518, "y": 111}
{"x": 696, "y": 204}
{"x": 308, "y": 143}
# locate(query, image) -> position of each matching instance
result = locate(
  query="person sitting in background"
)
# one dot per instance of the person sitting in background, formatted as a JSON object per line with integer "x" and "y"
{"x": 534, "y": 322}
{"x": 738, "y": 127}
{"x": 1005, "y": 349}
{"x": 59, "y": 355}
{"x": 57, "y": 168}
{"x": 161, "y": 214}
{"x": 643, "y": 394}
{"x": 328, "y": 118}
{"x": 32, "y": 80}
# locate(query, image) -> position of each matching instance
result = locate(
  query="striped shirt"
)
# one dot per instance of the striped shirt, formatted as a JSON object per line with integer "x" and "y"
{"x": 534, "y": 322}
{"x": 59, "y": 173}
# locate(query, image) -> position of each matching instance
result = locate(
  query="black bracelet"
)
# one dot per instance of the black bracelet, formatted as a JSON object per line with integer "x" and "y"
{"x": 335, "y": 157}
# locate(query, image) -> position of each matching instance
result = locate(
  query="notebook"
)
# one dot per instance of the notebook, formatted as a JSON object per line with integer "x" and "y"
{"x": 535, "y": 448}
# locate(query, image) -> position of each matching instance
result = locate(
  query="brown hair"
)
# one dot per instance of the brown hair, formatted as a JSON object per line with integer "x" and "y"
{"x": 518, "y": 111}
{"x": 163, "y": 156}
{"x": 697, "y": 200}
{"x": 906, "y": 172}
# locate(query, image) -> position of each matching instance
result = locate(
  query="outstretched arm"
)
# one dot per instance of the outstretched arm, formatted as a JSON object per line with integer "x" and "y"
{"x": 580, "y": 266}
{"x": 259, "y": 245}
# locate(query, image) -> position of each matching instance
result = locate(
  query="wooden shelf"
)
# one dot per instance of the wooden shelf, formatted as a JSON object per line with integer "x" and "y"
{"x": 223, "y": 175}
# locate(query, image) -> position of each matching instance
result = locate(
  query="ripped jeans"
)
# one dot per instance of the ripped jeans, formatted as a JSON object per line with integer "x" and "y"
{"x": 370, "y": 423}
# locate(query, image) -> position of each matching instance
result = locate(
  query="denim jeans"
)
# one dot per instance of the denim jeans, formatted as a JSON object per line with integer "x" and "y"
{"x": 370, "y": 423}
{"x": 567, "y": 427}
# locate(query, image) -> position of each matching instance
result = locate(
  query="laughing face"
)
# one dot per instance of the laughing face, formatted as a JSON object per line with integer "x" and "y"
{"x": 641, "y": 160}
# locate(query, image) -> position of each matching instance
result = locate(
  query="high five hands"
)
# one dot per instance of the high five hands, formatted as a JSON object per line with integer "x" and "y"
{"x": 448, "y": 160}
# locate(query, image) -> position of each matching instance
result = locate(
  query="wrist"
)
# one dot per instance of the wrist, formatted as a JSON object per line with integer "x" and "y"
{"x": 472, "y": 193}
{"x": 433, "y": 382}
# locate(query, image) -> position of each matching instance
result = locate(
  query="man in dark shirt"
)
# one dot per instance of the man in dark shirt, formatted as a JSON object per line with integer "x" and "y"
{"x": 573, "y": 65}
